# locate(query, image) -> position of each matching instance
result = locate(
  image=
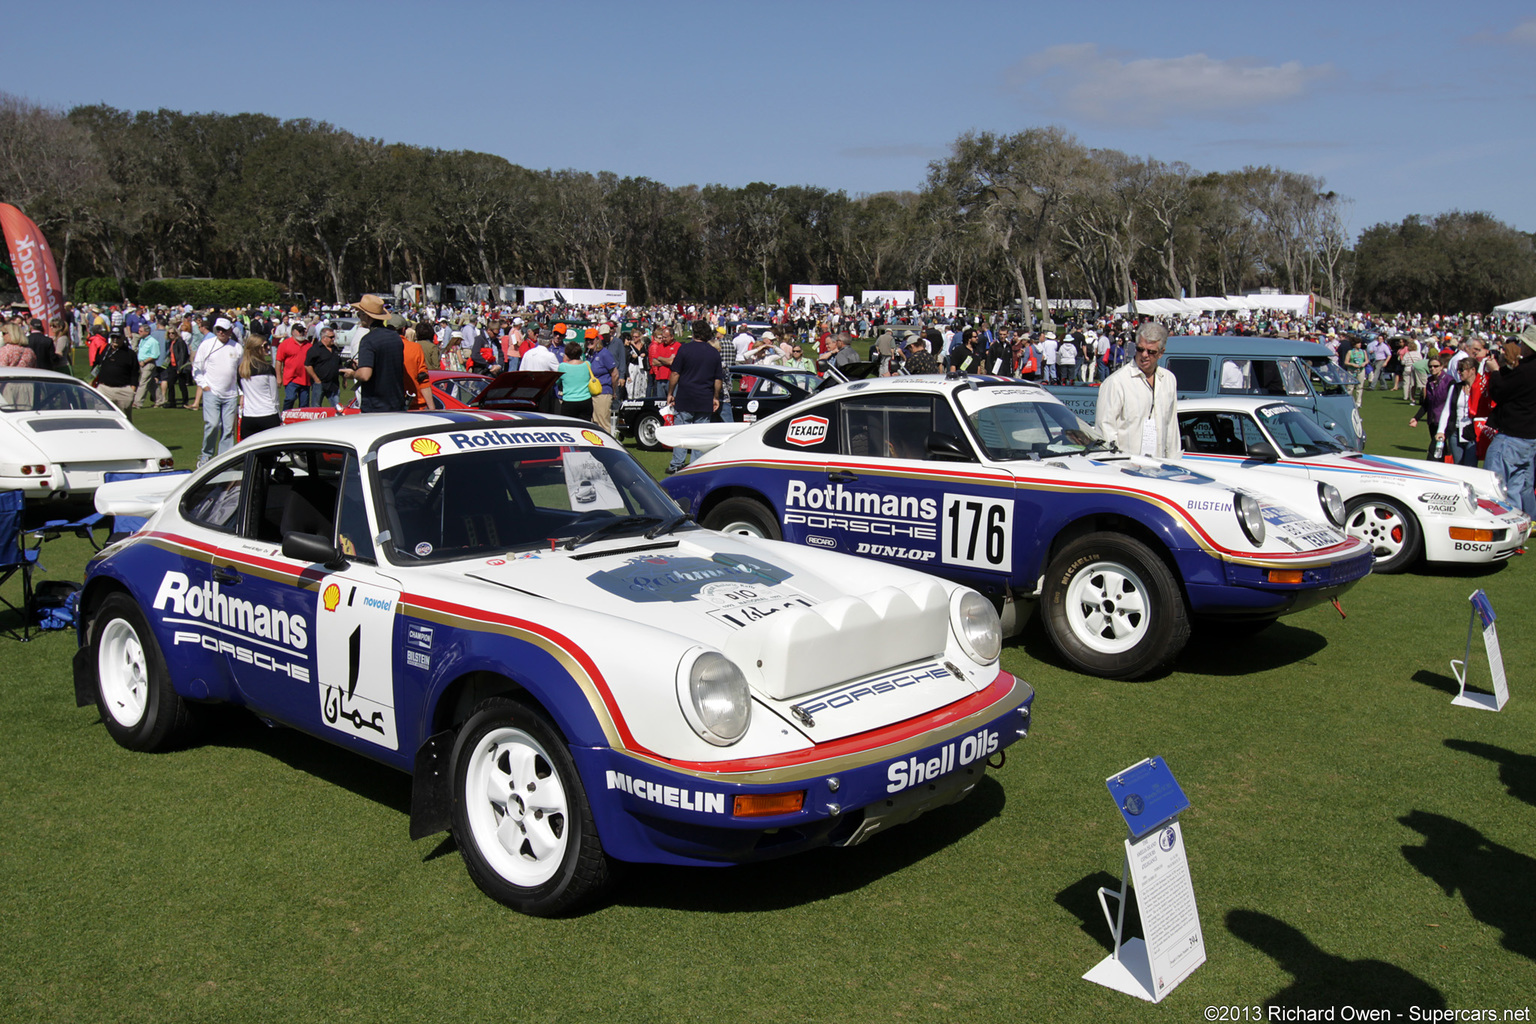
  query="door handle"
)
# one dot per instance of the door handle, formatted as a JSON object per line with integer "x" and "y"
{"x": 842, "y": 476}
{"x": 225, "y": 574}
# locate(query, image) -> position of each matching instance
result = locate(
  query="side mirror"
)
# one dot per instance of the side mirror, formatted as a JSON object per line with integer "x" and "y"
{"x": 946, "y": 448}
{"x": 311, "y": 547}
{"x": 1262, "y": 451}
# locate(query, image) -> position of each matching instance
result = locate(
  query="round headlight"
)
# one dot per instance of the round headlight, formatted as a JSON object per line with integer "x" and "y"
{"x": 717, "y": 702}
{"x": 1501, "y": 492}
{"x": 1470, "y": 493}
{"x": 977, "y": 626}
{"x": 1250, "y": 517}
{"x": 1332, "y": 502}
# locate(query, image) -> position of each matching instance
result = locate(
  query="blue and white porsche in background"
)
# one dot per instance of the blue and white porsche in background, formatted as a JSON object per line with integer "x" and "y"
{"x": 994, "y": 483}
{"x": 507, "y": 607}
{"x": 1405, "y": 509}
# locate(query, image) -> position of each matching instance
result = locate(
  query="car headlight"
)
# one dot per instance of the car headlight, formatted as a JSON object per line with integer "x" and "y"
{"x": 1250, "y": 517}
{"x": 977, "y": 626}
{"x": 715, "y": 699}
{"x": 1332, "y": 502}
{"x": 1501, "y": 492}
{"x": 1470, "y": 493}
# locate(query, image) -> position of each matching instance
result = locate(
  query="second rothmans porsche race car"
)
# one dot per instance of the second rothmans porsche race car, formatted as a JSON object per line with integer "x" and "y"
{"x": 1406, "y": 510}
{"x": 994, "y": 483}
{"x": 509, "y": 608}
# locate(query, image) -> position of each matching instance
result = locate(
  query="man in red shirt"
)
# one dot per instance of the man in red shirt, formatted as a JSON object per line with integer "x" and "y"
{"x": 662, "y": 349}
{"x": 291, "y": 353}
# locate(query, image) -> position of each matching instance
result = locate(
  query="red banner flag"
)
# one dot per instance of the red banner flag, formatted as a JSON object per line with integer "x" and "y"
{"x": 32, "y": 262}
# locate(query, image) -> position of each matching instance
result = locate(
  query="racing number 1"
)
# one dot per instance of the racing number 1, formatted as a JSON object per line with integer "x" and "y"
{"x": 978, "y": 532}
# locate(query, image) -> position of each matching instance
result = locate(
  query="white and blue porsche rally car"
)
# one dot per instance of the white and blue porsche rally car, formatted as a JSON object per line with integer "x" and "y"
{"x": 994, "y": 483}
{"x": 509, "y": 608}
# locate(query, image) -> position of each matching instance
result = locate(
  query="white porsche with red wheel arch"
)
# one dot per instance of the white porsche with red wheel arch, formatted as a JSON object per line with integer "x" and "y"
{"x": 1406, "y": 510}
{"x": 994, "y": 483}
{"x": 507, "y": 607}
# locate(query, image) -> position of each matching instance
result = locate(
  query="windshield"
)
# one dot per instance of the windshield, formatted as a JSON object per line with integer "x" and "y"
{"x": 474, "y": 504}
{"x": 1295, "y": 434}
{"x": 49, "y": 396}
{"x": 1328, "y": 377}
{"x": 1012, "y": 426}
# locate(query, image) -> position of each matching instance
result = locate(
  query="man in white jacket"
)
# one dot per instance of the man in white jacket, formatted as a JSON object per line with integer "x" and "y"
{"x": 1137, "y": 406}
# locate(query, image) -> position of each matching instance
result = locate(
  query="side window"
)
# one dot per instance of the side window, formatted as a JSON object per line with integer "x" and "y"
{"x": 1191, "y": 372}
{"x": 769, "y": 388}
{"x": 1236, "y": 376}
{"x": 294, "y": 490}
{"x": 887, "y": 426}
{"x": 813, "y": 430}
{"x": 215, "y": 503}
{"x": 1197, "y": 432}
{"x": 353, "y": 535}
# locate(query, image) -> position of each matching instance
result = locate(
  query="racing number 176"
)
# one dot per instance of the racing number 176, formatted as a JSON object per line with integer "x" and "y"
{"x": 978, "y": 532}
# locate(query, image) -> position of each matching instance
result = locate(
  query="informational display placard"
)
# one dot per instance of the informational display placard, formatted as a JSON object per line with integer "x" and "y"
{"x": 944, "y": 296}
{"x": 1148, "y": 797}
{"x": 1482, "y": 615}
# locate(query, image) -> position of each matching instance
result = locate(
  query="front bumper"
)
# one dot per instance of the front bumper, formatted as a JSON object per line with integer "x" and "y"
{"x": 651, "y": 812}
{"x": 1251, "y": 594}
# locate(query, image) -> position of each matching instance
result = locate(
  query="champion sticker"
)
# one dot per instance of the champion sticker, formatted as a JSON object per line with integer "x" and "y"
{"x": 806, "y": 431}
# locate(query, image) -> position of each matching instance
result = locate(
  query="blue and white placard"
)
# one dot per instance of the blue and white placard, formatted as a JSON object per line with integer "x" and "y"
{"x": 1482, "y": 612}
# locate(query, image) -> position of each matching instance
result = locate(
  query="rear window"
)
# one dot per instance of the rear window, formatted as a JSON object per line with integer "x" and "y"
{"x": 1191, "y": 372}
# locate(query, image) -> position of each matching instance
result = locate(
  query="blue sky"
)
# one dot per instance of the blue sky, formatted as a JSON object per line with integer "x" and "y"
{"x": 1405, "y": 108}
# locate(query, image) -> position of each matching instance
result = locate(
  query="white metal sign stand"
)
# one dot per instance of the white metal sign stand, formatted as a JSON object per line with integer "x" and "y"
{"x": 1149, "y": 799}
{"x": 1482, "y": 610}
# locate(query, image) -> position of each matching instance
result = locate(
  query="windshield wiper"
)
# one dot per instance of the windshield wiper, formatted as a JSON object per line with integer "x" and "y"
{"x": 667, "y": 526}
{"x": 608, "y": 526}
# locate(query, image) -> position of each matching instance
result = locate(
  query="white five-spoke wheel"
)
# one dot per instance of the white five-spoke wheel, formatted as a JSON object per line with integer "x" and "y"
{"x": 134, "y": 695}
{"x": 516, "y": 807}
{"x": 1390, "y": 530}
{"x": 1113, "y": 608}
{"x": 520, "y": 815}
{"x": 1107, "y": 606}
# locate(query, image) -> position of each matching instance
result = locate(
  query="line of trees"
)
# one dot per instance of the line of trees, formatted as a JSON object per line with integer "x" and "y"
{"x": 146, "y": 195}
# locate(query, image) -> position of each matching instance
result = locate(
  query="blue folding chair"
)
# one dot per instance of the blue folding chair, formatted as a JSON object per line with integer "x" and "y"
{"x": 16, "y": 558}
{"x": 122, "y": 526}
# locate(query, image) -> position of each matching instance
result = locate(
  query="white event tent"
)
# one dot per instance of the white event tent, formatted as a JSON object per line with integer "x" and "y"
{"x": 1219, "y": 303}
{"x": 1523, "y": 306}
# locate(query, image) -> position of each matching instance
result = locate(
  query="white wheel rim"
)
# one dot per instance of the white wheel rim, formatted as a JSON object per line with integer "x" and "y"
{"x": 745, "y": 527}
{"x": 1381, "y": 527}
{"x": 1108, "y": 608}
{"x": 123, "y": 673}
{"x": 517, "y": 807}
{"x": 647, "y": 431}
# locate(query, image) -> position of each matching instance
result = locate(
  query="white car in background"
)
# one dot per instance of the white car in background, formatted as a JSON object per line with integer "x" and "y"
{"x": 59, "y": 438}
{"x": 1405, "y": 509}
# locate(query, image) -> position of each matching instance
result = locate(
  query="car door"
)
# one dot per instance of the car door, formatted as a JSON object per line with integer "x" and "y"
{"x": 319, "y": 640}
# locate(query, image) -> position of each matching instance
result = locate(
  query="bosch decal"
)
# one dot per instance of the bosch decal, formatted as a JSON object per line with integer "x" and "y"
{"x": 913, "y": 771}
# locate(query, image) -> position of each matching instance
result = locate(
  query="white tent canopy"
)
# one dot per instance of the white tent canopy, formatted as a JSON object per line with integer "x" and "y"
{"x": 1523, "y": 306}
{"x": 1213, "y": 303}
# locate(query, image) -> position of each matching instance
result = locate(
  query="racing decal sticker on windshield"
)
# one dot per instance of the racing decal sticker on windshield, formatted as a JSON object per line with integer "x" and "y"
{"x": 806, "y": 431}
{"x": 407, "y": 449}
{"x": 978, "y": 532}
{"x": 588, "y": 484}
{"x": 652, "y": 578}
{"x": 354, "y": 654}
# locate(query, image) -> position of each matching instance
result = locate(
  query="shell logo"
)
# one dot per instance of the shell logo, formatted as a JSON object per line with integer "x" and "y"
{"x": 592, "y": 437}
{"x": 425, "y": 446}
{"x": 331, "y": 597}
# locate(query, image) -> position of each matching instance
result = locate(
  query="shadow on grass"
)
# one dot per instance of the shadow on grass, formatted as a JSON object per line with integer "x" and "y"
{"x": 1494, "y": 880}
{"x": 1437, "y": 681}
{"x": 233, "y": 727}
{"x": 1081, "y": 900}
{"x": 1323, "y": 979}
{"x": 1516, "y": 771}
{"x": 807, "y": 877}
{"x": 1219, "y": 649}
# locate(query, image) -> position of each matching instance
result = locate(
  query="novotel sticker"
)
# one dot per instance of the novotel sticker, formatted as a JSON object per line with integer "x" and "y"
{"x": 806, "y": 430}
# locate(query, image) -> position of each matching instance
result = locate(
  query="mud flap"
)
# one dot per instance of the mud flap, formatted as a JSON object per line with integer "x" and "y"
{"x": 432, "y": 786}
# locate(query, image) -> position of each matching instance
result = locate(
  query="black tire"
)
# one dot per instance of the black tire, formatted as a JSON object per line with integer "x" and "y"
{"x": 1112, "y": 607}
{"x": 744, "y": 516}
{"x": 134, "y": 696}
{"x": 1391, "y": 531}
{"x": 645, "y": 432}
{"x": 520, "y": 815}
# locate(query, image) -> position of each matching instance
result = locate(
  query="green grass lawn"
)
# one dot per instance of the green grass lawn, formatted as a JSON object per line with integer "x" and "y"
{"x": 1354, "y": 839}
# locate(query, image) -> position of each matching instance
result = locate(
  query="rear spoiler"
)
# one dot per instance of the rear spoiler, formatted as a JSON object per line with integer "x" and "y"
{"x": 141, "y": 496}
{"x": 701, "y": 437}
